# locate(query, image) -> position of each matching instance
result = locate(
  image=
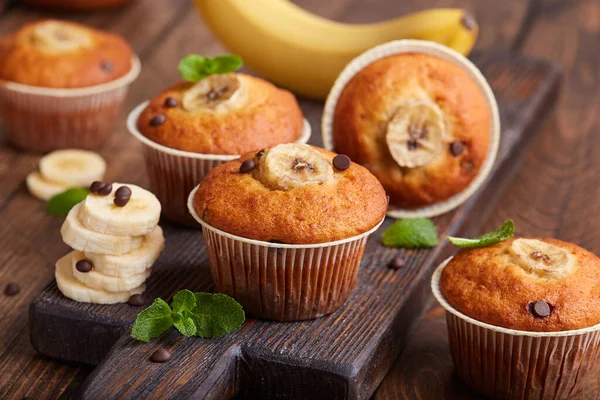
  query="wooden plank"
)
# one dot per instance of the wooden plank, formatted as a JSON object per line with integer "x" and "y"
{"x": 343, "y": 355}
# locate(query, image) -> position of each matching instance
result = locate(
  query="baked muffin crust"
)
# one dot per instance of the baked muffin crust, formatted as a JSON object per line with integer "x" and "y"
{"x": 500, "y": 285}
{"x": 439, "y": 119}
{"x": 34, "y": 56}
{"x": 263, "y": 117}
{"x": 348, "y": 203}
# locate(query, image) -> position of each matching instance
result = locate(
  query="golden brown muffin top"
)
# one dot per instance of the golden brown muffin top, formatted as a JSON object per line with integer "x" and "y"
{"x": 222, "y": 114}
{"x": 419, "y": 123}
{"x": 293, "y": 195}
{"x": 501, "y": 284}
{"x": 61, "y": 54}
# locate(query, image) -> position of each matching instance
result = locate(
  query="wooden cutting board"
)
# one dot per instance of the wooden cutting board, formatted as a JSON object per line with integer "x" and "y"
{"x": 344, "y": 355}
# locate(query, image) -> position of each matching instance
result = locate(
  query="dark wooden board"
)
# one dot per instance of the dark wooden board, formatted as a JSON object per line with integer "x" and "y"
{"x": 344, "y": 355}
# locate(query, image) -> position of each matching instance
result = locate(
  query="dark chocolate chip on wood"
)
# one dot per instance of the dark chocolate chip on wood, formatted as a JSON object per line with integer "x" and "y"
{"x": 161, "y": 355}
{"x": 341, "y": 162}
{"x": 397, "y": 262}
{"x": 12, "y": 289}
{"x": 137, "y": 300}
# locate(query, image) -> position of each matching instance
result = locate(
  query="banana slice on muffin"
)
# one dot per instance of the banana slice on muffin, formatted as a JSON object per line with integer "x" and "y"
{"x": 217, "y": 93}
{"x": 57, "y": 36}
{"x": 542, "y": 258}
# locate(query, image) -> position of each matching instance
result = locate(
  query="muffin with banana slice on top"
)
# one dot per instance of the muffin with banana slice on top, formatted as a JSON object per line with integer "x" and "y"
{"x": 62, "y": 84}
{"x": 422, "y": 121}
{"x": 531, "y": 306}
{"x": 294, "y": 220}
{"x": 214, "y": 117}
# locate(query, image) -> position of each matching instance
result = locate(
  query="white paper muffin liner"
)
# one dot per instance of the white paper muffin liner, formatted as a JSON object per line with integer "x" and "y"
{"x": 174, "y": 173}
{"x": 283, "y": 282}
{"x": 510, "y": 364}
{"x": 45, "y": 119}
{"x": 434, "y": 49}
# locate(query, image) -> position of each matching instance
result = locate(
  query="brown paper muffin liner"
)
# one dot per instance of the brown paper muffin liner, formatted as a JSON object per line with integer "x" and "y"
{"x": 283, "y": 282}
{"x": 45, "y": 119}
{"x": 174, "y": 173}
{"x": 510, "y": 364}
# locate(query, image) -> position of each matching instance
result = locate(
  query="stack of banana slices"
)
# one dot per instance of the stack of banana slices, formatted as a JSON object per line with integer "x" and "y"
{"x": 65, "y": 169}
{"x": 115, "y": 240}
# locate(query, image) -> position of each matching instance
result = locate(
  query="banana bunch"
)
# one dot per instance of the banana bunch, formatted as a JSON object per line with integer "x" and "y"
{"x": 65, "y": 169}
{"x": 306, "y": 53}
{"x": 115, "y": 246}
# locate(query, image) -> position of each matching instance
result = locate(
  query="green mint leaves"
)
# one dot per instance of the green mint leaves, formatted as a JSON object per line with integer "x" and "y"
{"x": 194, "y": 67}
{"x": 506, "y": 231}
{"x": 411, "y": 233}
{"x": 62, "y": 203}
{"x": 192, "y": 314}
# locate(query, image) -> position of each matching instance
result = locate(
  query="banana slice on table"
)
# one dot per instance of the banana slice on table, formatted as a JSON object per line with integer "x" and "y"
{"x": 216, "y": 93}
{"x": 133, "y": 263}
{"x": 287, "y": 166}
{"x": 138, "y": 217}
{"x": 97, "y": 280}
{"x": 83, "y": 239}
{"x": 59, "y": 36}
{"x": 416, "y": 135}
{"x": 75, "y": 290}
{"x": 73, "y": 167}
{"x": 42, "y": 188}
{"x": 541, "y": 258}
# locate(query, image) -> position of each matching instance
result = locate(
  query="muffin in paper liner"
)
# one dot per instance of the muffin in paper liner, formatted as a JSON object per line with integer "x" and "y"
{"x": 174, "y": 173}
{"x": 445, "y": 53}
{"x": 505, "y": 363}
{"x": 44, "y": 119}
{"x": 283, "y": 282}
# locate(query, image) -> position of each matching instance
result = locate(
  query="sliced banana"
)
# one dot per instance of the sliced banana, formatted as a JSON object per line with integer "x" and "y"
{"x": 57, "y": 36}
{"x": 42, "y": 188}
{"x": 133, "y": 263}
{"x": 287, "y": 166}
{"x": 138, "y": 217}
{"x": 541, "y": 258}
{"x": 75, "y": 290}
{"x": 73, "y": 167}
{"x": 97, "y": 280}
{"x": 416, "y": 134}
{"x": 83, "y": 239}
{"x": 216, "y": 93}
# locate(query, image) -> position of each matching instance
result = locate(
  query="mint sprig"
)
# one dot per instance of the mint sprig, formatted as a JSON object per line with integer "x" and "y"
{"x": 192, "y": 314}
{"x": 411, "y": 233}
{"x": 194, "y": 67}
{"x": 504, "y": 232}
{"x": 62, "y": 203}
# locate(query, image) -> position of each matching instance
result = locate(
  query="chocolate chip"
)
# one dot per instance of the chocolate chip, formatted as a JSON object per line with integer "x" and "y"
{"x": 468, "y": 21}
{"x": 95, "y": 186}
{"x": 456, "y": 148}
{"x": 136, "y": 300}
{"x": 171, "y": 102}
{"x": 540, "y": 309}
{"x": 397, "y": 263}
{"x": 412, "y": 144}
{"x": 122, "y": 196}
{"x": 161, "y": 355}
{"x": 158, "y": 119}
{"x": 107, "y": 66}
{"x": 260, "y": 154}
{"x": 247, "y": 166}
{"x": 101, "y": 188}
{"x": 467, "y": 166}
{"x": 12, "y": 289}
{"x": 341, "y": 162}
{"x": 84, "y": 266}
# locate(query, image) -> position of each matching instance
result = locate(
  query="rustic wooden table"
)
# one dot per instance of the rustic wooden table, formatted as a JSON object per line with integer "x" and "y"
{"x": 553, "y": 192}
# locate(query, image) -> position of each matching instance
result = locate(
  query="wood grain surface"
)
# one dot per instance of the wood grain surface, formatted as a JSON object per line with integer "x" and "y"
{"x": 553, "y": 193}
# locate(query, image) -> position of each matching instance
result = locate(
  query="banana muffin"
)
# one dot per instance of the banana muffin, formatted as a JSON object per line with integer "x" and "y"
{"x": 534, "y": 285}
{"x": 291, "y": 193}
{"x": 228, "y": 114}
{"x": 60, "y": 54}
{"x": 418, "y": 122}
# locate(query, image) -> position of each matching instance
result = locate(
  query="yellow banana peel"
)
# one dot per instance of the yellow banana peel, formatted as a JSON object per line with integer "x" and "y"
{"x": 305, "y": 53}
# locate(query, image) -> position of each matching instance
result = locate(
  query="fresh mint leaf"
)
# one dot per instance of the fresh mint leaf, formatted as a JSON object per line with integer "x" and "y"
{"x": 62, "y": 203}
{"x": 184, "y": 300}
{"x": 216, "y": 314}
{"x": 152, "y": 322}
{"x": 185, "y": 325}
{"x": 194, "y": 67}
{"x": 505, "y": 232}
{"x": 411, "y": 233}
